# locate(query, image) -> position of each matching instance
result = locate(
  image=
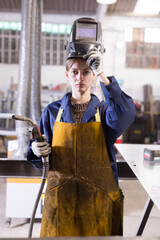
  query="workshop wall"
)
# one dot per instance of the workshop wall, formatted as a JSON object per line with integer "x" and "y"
{"x": 131, "y": 80}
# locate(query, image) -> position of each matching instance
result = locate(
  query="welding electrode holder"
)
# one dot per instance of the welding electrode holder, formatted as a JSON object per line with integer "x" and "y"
{"x": 35, "y": 135}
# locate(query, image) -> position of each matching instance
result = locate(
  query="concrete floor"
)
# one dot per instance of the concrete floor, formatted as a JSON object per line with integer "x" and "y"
{"x": 135, "y": 198}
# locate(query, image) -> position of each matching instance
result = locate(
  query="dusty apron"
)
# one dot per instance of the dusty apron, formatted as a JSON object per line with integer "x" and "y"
{"x": 82, "y": 198}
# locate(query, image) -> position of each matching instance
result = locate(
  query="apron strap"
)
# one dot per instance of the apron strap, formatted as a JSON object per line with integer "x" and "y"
{"x": 97, "y": 116}
{"x": 60, "y": 111}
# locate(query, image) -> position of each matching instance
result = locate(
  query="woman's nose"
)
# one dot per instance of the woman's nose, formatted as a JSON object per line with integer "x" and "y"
{"x": 80, "y": 76}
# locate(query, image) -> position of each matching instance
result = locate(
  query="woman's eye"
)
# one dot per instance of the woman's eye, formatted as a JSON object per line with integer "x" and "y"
{"x": 74, "y": 72}
{"x": 86, "y": 72}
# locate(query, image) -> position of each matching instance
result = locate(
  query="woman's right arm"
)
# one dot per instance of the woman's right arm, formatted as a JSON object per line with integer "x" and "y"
{"x": 44, "y": 127}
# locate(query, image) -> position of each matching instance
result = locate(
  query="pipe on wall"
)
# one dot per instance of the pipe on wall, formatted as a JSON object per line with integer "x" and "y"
{"x": 35, "y": 103}
{"x": 26, "y": 76}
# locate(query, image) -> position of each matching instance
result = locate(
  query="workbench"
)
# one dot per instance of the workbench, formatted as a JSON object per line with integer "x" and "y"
{"x": 22, "y": 186}
{"x": 148, "y": 174}
{"x": 23, "y": 181}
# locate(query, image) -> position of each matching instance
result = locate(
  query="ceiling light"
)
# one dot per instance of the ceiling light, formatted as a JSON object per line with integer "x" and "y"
{"x": 106, "y": 1}
{"x": 147, "y": 7}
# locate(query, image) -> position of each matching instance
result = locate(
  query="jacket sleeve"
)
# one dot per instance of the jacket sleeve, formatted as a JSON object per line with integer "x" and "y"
{"x": 120, "y": 110}
{"x": 32, "y": 158}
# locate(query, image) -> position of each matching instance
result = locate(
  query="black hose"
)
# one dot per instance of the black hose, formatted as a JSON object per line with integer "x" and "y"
{"x": 35, "y": 208}
{"x": 44, "y": 177}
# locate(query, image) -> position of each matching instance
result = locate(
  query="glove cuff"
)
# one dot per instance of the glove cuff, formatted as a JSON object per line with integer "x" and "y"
{"x": 97, "y": 72}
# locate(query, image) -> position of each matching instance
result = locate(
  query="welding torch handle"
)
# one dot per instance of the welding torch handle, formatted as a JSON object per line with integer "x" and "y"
{"x": 22, "y": 118}
{"x": 36, "y": 134}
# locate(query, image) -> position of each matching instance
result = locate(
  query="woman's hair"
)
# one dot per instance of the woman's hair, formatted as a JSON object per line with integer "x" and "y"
{"x": 70, "y": 62}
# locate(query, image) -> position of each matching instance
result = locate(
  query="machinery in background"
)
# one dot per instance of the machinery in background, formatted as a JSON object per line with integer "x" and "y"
{"x": 146, "y": 127}
{"x": 8, "y": 108}
{"x": 136, "y": 132}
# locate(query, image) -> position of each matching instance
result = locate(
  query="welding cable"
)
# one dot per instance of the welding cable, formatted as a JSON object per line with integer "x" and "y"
{"x": 45, "y": 170}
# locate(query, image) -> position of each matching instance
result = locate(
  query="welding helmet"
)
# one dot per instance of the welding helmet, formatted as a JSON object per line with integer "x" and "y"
{"x": 86, "y": 33}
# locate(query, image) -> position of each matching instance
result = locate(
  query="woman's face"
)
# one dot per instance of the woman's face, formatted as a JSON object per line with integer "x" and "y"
{"x": 80, "y": 77}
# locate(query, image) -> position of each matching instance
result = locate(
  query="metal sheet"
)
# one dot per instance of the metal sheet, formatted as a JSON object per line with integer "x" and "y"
{"x": 18, "y": 168}
{"x": 147, "y": 172}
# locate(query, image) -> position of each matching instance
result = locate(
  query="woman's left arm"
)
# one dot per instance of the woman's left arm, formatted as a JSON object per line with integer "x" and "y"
{"x": 120, "y": 110}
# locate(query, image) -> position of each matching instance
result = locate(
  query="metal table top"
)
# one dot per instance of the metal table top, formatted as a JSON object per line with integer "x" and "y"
{"x": 147, "y": 172}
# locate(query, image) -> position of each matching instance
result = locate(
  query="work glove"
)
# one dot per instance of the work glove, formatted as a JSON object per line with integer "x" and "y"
{"x": 94, "y": 60}
{"x": 41, "y": 149}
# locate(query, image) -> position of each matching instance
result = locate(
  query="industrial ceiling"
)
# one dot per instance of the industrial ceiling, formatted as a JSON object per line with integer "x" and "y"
{"x": 56, "y": 11}
{"x": 73, "y": 7}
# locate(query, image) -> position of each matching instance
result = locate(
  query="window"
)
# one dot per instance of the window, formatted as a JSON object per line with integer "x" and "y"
{"x": 54, "y": 37}
{"x": 142, "y": 48}
{"x": 13, "y": 43}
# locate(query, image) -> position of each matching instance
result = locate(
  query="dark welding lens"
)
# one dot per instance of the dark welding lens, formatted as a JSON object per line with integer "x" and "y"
{"x": 86, "y": 31}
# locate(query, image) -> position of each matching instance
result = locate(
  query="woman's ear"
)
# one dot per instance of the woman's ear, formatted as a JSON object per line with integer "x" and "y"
{"x": 66, "y": 73}
{"x": 94, "y": 76}
{"x": 93, "y": 80}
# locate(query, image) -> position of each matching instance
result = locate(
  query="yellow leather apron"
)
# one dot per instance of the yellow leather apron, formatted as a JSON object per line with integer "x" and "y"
{"x": 82, "y": 198}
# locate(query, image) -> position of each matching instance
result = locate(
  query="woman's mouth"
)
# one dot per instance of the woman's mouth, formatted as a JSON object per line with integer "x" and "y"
{"x": 80, "y": 85}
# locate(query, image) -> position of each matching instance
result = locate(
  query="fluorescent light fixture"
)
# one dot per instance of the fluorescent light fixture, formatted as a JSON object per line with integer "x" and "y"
{"x": 106, "y": 1}
{"x": 147, "y": 7}
{"x": 46, "y": 27}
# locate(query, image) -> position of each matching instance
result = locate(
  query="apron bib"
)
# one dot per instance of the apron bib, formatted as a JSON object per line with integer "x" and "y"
{"x": 82, "y": 198}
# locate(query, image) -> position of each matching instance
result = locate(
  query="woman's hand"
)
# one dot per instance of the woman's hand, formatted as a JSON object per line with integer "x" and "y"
{"x": 41, "y": 149}
{"x": 94, "y": 60}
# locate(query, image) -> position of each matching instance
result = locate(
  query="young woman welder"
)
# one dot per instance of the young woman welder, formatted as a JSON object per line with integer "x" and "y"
{"x": 82, "y": 196}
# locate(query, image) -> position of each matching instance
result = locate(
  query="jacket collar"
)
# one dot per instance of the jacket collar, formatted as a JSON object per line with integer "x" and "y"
{"x": 91, "y": 110}
{"x": 67, "y": 114}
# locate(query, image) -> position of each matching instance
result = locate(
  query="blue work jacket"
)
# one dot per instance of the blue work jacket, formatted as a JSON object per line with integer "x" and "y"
{"x": 116, "y": 112}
